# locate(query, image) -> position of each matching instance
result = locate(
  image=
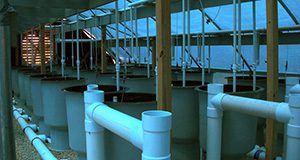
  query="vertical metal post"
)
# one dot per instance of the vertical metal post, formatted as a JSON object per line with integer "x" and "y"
{"x": 51, "y": 49}
{"x": 203, "y": 46}
{"x": 91, "y": 50}
{"x": 148, "y": 48}
{"x": 131, "y": 22}
{"x": 183, "y": 44}
{"x": 27, "y": 64}
{"x": 125, "y": 36}
{"x": 254, "y": 43}
{"x": 77, "y": 48}
{"x": 7, "y": 142}
{"x": 62, "y": 48}
{"x": 117, "y": 45}
{"x": 21, "y": 47}
{"x": 32, "y": 49}
{"x": 189, "y": 33}
{"x": 137, "y": 37}
{"x": 239, "y": 34}
{"x": 234, "y": 67}
{"x": 72, "y": 48}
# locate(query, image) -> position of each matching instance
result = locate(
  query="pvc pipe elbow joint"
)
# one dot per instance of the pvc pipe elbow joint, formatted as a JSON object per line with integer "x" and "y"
{"x": 283, "y": 113}
{"x": 216, "y": 110}
{"x": 90, "y": 124}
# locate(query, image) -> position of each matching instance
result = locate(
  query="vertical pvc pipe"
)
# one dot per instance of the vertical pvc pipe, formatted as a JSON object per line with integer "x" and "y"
{"x": 94, "y": 132}
{"x": 183, "y": 45}
{"x": 72, "y": 43}
{"x": 32, "y": 48}
{"x": 51, "y": 49}
{"x": 77, "y": 48}
{"x": 91, "y": 50}
{"x": 62, "y": 49}
{"x": 293, "y": 127}
{"x": 254, "y": 43}
{"x": 239, "y": 34}
{"x": 117, "y": 45}
{"x": 234, "y": 67}
{"x": 214, "y": 124}
{"x": 189, "y": 33}
{"x": 148, "y": 48}
{"x": 131, "y": 39}
{"x": 203, "y": 46}
{"x": 27, "y": 64}
{"x": 137, "y": 37}
{"x": 198, "y": 49}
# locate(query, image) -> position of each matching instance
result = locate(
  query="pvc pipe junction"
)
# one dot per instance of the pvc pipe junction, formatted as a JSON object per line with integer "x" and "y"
{"x": 282, "y": 112}
{"x": 151, "y": 134}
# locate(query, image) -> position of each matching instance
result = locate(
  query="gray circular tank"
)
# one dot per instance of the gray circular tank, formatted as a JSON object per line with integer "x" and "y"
{"x": 138, "y": 83}
{"x": 22, "y": 91}
{"x": 132, "y": 104}
{"x": 192, "y": 74}
{"x": 36, "y": 97}
{"x": 76, "y": 115}
{"x": 55, "y": 112}
{"x": 185, "y": 120}
{"x": 239, "y": 130}
{"x": 27, "y": 86}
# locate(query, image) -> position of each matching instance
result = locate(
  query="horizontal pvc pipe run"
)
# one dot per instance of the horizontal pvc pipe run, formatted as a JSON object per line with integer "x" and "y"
{"x": 127, "y": 127}
{"x": 35, "y": 139}
{"x": 254, "y": 107}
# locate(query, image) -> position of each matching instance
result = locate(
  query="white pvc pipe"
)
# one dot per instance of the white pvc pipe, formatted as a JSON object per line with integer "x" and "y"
{"x": 156, "y": 82}
{"x": 214, "y": 124}
{"x": 94, "y": 132}
{"x": 32, "y": 48}
{"x": 151, "y": 135}
{"x": 209, "y": 58}
{"x": 183, "y": 45}
{"x": 77, "y": 48}
{"x": 234, "y": 67}
{"x": 96, "y": 46}
{"x": 117, "y": 46}
{"x": 35, "y": 140}
{"x": 289, "y": 83}
{"x": 282, "y": 112}
{"x": 148, "y": 48}
{"x": 293, "y": 127}
{"x": 72, "y": 52}
{"x": 203, "y": 46}
{"x": 51, "y": 49}
{"x": 91, "y": 51}
{"x": 62, "y": 49}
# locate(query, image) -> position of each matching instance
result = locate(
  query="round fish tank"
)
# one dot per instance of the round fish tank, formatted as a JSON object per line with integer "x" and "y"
{"x": 239, "y": 130}
{"x": 55, "y": 111}
{"x": 22, "y": 91}
{"x": 36, "y": 96}
{"x": 76, "y": 115}
{"x": 185, "y": 120}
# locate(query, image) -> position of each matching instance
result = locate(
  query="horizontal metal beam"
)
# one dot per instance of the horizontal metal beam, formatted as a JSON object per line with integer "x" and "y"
{"x": 147, "y": 11}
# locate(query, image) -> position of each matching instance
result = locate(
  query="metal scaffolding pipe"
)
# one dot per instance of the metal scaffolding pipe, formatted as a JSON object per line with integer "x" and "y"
{"x": 62, "y": 49}
{"x": 77, "y": 48}
{"x": 240, "y": 34}
{"x": 131, "y": 39}
{"x": 125, "y": 35}
{"x": 51, "y": 49}
{"x": 137, "y": 37}
{"x": 189, "y": 32}
{"x": 234, "y": 67}
{"x": 72, "y": 52}
{"x": 148, "y": 48}
{"x": 183, "y": 45}
{"x": 91, "y": 50}
{"x": 117, "y": 45}
{"x": 32, "y": 48}
{"x": 255, "y": 43}
{"x": 203, "y": 46}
